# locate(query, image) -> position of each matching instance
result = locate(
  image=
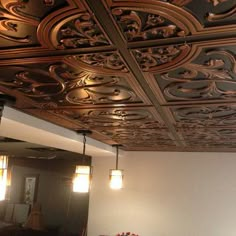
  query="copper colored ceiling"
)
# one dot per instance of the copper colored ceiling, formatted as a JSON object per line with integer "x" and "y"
{"x": 150, "y": 75}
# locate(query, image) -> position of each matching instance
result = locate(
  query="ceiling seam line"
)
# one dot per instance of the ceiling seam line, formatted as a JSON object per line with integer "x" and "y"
{"x": 102, "y": 16}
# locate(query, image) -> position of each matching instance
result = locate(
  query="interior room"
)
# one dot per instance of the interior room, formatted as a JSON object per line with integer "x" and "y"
{"x": 49, "y": 171}
{"x": 117, "y": 117}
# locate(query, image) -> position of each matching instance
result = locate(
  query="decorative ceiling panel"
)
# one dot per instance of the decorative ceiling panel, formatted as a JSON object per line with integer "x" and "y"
{"x": 74, "y": 81}
{"x": 159, "y": 20}
{"x": 20, "y": 20}
{"x": 71, "y": 28}
{"x": 221, "y": 115}
{"x": 49, "y": 24}
{"x": 98, "y": 118}
{"x": 210, "y": 76}
{"x": 147, "y": 74}
{"x": 144, "y": 138}
{"x": 209, "y": 138}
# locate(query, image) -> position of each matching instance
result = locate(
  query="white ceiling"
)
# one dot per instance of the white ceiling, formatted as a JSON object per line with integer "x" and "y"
{"x": 18, "y": 125}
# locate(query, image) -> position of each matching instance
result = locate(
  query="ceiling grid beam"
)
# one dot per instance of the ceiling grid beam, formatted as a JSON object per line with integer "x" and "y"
{"x": 107, "y": 23}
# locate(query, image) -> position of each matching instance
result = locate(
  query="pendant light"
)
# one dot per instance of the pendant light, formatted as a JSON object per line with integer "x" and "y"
{"x": 3, "y": 176}
{"x": 116, "y": 175}
{"x": 82, "y": 176}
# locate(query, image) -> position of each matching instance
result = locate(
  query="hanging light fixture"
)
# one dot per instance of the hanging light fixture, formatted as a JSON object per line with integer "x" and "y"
{"x": 82, "y": 176}
{"x": 3, "y": 176}
{"x": 116, "y": 175}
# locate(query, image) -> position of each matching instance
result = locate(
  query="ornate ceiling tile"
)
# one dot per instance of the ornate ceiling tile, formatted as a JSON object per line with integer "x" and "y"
{"x": 19, "y": 21}
{"x": 221, "y": 144}
{"x": 155, "y": 138}
{"x": 56, "y": 84}
{"x": 150, "y": 74}
{"x": 159, "y": 145}
{"x": 209, "y": 11}
{"x": 137, "y": 135}
{"x": 141, "y": 21}
{"x": 162, "y": 58}
{"x": 209, "y": 137}
{"x": 212, "y": 13}
{"x": 220, "y": 115}
{"x": 71, "y": 29}
{"x": 210, "y": 134}
{"x": 106, "y": 62}
{"x": 100, "y": 118}
{"x": 210, "y": 77}
{"x": 146, "y": 138}
{"x": 16, "y": 25}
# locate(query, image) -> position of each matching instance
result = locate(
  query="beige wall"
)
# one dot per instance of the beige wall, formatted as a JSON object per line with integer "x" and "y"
{"x": 166, "y": 194}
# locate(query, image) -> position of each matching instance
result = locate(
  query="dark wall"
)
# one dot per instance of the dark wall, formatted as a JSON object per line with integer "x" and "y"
{"x": 61, "y": 207}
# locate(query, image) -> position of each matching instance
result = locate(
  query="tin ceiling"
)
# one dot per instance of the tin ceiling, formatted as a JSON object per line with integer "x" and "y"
{"x": 150, "y": 75}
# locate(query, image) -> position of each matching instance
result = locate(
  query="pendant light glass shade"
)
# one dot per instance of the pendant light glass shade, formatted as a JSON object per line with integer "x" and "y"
{"x": 81, "y": 182}
{"x": 116, "y": 175}
{"x": 3, "y": 176}
{"x": 116, "y": 179}
{"x": 82, "y": 176}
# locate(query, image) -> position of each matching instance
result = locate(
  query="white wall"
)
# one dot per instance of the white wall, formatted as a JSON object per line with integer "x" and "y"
{"x": 166, "y": 194}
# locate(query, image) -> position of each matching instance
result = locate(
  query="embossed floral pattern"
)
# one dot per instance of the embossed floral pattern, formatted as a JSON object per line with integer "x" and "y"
{"x": 151, "y": 58}
{"x": 138, "y": 25}
{"x": 82, "y": 30}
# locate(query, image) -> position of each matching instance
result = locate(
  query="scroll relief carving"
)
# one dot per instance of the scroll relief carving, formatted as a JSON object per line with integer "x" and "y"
{"x": 119, "y": 117}
{"x": 140, "y": 25}
{"x": 62, "y": 86}
{"x": 212, "y": 17}
{"x": 11, "y": 17}
{"x": 87, "y": 88}
{"x": 211, "y": 143}
{"x": 180, "y": 3}
{"x": 186, "y": 2}
{"x": 217, "y": 2}
{"x": 206, "y": 116}
{"x": 226, "y": 14}
{"x": 151, "y": 143}
{"x": 137, "y": 134}
{"x": 215, "y": 79}
{"x": 152, "y": 59}
{"x": 215, "y": 134}
{"x": 103, "y": 60}
{"x": 35, "y": 82}
{"x": 164, "y": 20}
{"x": 140, "y": 137}
{"x": 135, "y": 137}
{"x": 79, "y": 30}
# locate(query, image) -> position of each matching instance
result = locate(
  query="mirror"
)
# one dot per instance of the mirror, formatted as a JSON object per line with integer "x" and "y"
{"x": 43, "y": 175}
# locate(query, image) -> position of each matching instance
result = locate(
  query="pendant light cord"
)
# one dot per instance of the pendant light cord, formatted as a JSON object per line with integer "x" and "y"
{"x": 117, "y": 153}
{"x": 84, "y": 141}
